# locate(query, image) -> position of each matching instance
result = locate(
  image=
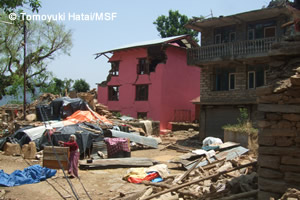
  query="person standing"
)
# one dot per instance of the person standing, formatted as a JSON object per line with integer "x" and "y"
{"x": 74, "y": 155}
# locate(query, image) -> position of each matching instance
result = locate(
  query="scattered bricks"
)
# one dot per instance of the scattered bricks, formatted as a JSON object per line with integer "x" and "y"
{"x": 295, "y": 80}
{"x": 291, "y": 117}
{"x": 292, "y": 177}
{"x": 284, "y": 124}
{"x": 272, "y": 162}
{"x": 272, "y": 185}
{"x": 290, "y": 160}
{"x": 12, "y": 149}
{"x": 262, "y": 195}
{"x": 269, "y": 173}
{"x": 263, "y": 124}
{"x": 279, "y": 150}
{"x": 289, "y": 168}
{"x": 266, "y": 141}
{"x": 273, "y": 116}
{"x": 284, "y": 141}
{"x": 264, "y": 90}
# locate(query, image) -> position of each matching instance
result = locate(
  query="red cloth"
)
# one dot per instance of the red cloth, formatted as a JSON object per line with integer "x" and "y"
{"x": 115, "y": 145}
{"x": 73, "y": 145}
{"x": 149, "y": 177}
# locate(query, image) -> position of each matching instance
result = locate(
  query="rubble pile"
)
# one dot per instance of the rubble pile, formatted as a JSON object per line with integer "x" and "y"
{"x": 227, "y": 173}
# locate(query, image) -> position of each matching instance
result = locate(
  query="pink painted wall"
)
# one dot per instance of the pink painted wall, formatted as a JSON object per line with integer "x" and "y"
{"x": 172, "y": 86}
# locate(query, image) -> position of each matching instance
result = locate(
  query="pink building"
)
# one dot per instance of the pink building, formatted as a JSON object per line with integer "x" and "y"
{"x": 152, "y": 80}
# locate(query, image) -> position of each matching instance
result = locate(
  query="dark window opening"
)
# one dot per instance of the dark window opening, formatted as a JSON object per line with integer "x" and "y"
{"x": 225, "y": 34}
{"x": 231, "y": 81}
{"x": 114, "y": 68}
{"x": 270, "y": 32}
{"x": 143, "y": 67}
{"x": 113, "y": 93}
{"x": 251, "y": 34}
{"x": 262, "y": 29}
{"x": 224, "y": 79}
{"x": 141, "y": 93}
{"x": 142, "y": 115}
{"x": 232, "y": 37}
{"x": 218, "y": 39}
{"x": 256, "y": 76}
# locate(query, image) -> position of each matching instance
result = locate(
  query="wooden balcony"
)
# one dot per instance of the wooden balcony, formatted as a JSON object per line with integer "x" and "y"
{"x": 230, "y": 51}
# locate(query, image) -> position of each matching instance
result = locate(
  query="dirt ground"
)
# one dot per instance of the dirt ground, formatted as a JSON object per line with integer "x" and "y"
{"x": 100, "y": 184}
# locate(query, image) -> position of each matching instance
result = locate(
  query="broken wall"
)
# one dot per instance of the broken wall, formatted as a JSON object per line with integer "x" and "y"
{"x": 279, "y": 130}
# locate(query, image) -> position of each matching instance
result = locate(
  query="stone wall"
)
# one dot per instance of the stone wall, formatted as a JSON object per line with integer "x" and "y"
{"x": 279, "y": 133}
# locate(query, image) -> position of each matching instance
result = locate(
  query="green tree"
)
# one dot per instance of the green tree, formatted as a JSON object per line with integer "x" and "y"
{"x": 45, "y": 41}
{"x": 58, "y": 86}
{"x": 81, "y": 85}
{"x": 11, "y": 5}
{"x": 173, "y": 25}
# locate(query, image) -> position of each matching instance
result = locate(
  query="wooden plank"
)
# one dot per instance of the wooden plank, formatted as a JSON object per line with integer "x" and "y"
{"x": 228, "y": 145}
{"x": 52, "y": 156}
{"x": 118, "y": 162}
{"x": 49, "y": 149}
{"x": 151, "y": 142}
{"x": 278, "y": 108}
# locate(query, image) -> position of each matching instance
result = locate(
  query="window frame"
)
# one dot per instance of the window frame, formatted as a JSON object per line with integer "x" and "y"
{"x": 138, "y": 91}
{"x": 220, "y": 40}
{"x": 229, "y": 81}
{"x": 115, "y": 66}
{"x": 253, "y": 34}
{"x": 111, "y": 96}
{"x": 142, "y": 68}
{"x": 232, "y": 33}
{"x": 269, "y": 27}
{"x": 254, "y": 79}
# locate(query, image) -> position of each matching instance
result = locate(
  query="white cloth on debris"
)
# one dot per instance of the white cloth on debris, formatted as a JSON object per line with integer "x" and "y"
{"x": 208, "y": 154}
{"x": 211, "y": 141}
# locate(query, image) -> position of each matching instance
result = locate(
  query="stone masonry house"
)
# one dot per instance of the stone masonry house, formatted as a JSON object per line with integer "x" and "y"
{"x": 233, "y": 58}
{"x": 152, "y": 80}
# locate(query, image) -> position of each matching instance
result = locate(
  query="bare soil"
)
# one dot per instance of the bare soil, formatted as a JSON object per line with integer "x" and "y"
{"x": 100, "y": 184}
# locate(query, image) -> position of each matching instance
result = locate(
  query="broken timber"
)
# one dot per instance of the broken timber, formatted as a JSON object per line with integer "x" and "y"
{"x": 199, "y": 180}
{"x": 151, "y": 142}
{"x": 117, "y": 162}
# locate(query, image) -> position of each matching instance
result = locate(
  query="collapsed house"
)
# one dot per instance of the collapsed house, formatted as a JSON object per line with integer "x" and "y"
{"x": 152, "y": 80}
{"x": 234, "y": 59}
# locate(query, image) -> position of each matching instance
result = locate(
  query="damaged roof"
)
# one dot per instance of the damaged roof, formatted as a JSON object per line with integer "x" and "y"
{"x": 199, "y": 24}
{"x": 185, "y": 41}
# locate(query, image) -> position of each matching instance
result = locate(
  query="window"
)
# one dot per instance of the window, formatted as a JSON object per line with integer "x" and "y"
{"x": 141, "y": 93}
{"x": 270, "y": 32}
{"x": 114, "y": 68}
{"x": 251, "y": 34}
{"x": 232, "y": 37}
{"x": 256, "y": 76}
{"x": 218, "y": 39}
{"x": 113, "y": 93}
{"x": 231, "y": 81}
{"x": 143, "y": 67}
{"x": 142, "y": 115}
{"x": 251, "y": 79}
{"x": 224, "y": 79}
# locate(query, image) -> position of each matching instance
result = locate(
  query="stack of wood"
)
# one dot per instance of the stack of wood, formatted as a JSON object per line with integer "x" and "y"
{"x": 103, "y": 110}
{"x": 224, "y": 176}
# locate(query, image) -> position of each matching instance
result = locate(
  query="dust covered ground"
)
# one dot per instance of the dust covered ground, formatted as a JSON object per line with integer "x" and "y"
{"x": 100, "y": 184}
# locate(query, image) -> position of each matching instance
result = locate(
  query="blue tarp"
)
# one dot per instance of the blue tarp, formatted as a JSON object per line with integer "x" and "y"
{"x": 32, "y": 174}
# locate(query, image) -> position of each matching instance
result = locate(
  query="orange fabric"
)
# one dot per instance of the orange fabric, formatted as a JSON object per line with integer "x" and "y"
{"x": 86, "y": 116}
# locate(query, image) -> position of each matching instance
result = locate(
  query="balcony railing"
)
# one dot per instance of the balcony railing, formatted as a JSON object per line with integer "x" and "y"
{"x": 249, "y": 48}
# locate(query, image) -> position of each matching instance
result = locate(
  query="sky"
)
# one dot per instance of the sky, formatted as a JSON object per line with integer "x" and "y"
{"x": 130, "y": 21}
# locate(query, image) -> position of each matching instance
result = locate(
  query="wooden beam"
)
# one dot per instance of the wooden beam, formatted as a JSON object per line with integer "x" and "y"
{"x": 199, "y": 180}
